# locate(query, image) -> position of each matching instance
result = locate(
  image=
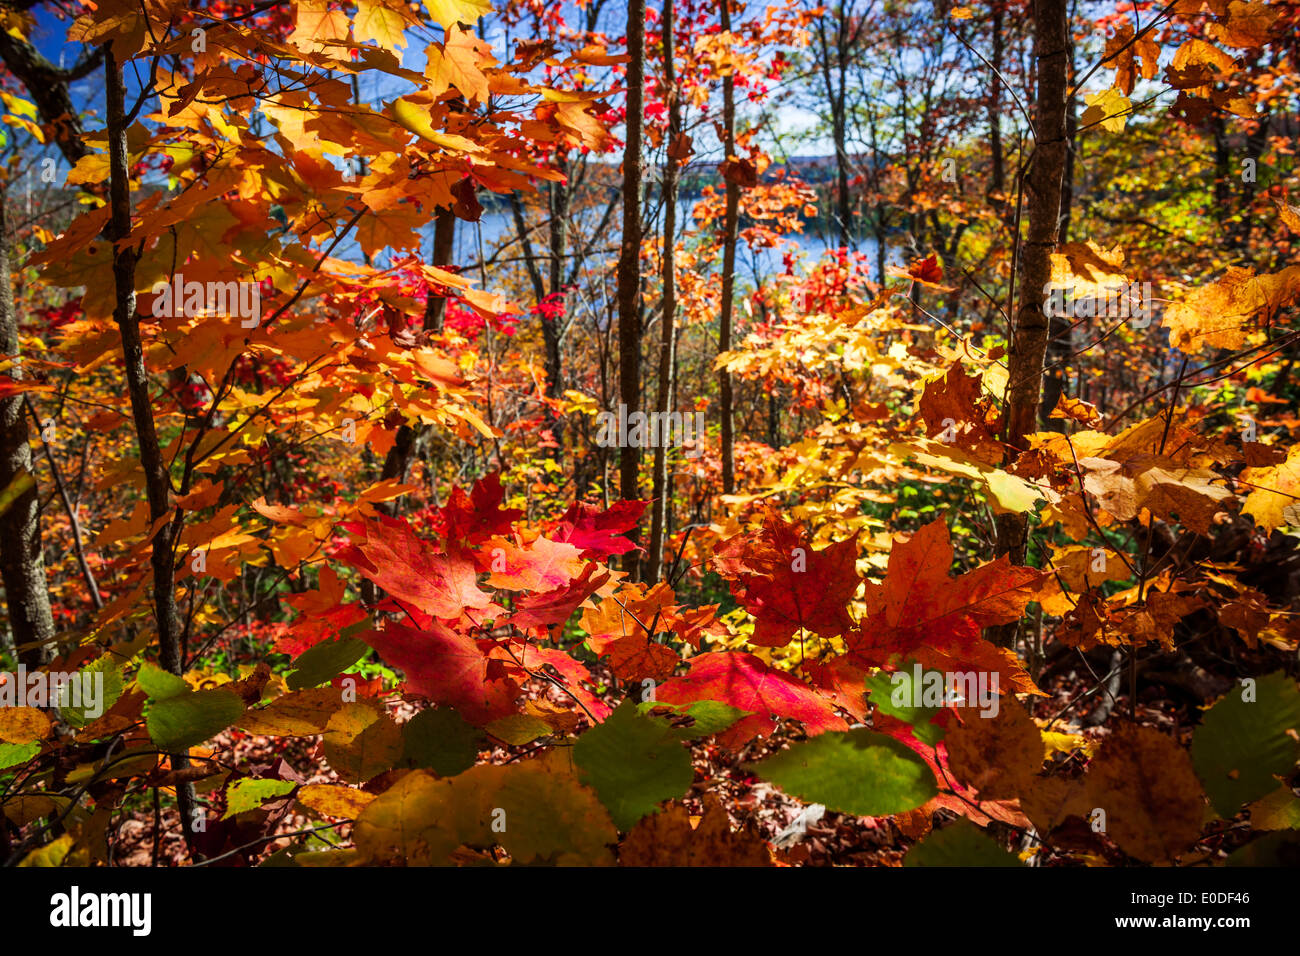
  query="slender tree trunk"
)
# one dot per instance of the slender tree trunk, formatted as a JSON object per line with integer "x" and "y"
{"x": 629, "y": 260}
{"x": 881, "y": 209}
{"x": 1043, "y": 187}
{"x": 729, "y": 229}
{"x": 444, "y": 240}
{"x": 1058, "y": 342}
{"x": 157, "y": 482}
{"x": 997, "y": 178}
{"x": 668, "y": 330}
{"x": 558, "y": 196}
{"x": 843, "y": 203}
{"x": 835, "y": 98}
{"x": 22, "y": 566}
{"x": 1072, "y": 163}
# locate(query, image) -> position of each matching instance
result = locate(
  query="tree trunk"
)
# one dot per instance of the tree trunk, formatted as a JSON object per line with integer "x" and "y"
{"x": 835, "y": 99}
{"x": 1059, "y": 342}
{"x": 997, "y": 177}
{"x": 629, "y": 259}
{"x": 22, "y": 565}
{"x": 1043, "y": 186}
{"x": 551, "y": 326}
{"x": 668, "y": 331}
{"x": 729, "y": 229}
{"x": 157, "y": 482}
{"x": 444, "y": 239}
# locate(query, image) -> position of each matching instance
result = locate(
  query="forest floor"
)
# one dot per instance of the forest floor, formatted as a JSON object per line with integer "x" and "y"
{"x": 825, "y": 839}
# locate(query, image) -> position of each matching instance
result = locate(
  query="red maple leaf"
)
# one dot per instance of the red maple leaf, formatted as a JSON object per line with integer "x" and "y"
{"x": 388, "y": 552}
{"x": 744, "y": 681}
{"x": 449, "y": 668}
{"x": 926, "y": 270}
{"x": 921, "y": 612}
{"x": 542, "y": 565}
{"x": 574, "y": 673}
{"x": 557, "y": 606}
{"x": 598, "y": 533}
{"x": 786, "y": 585}
{"x": 322, "y": 614}
{"x": 479, "y": 514}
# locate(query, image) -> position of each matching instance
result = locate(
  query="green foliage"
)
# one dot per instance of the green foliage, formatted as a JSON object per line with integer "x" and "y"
{"x": 248, "y": 794}
{"x": 959, "y": 844}
{"x": 857, "y": 771}
{"x": 178, "y": 723}
{"x": 325, "y": 661}
{"x": 1241, "y": 746}
{"x": 441, "y": 740}
{"x": 633, "y": 763}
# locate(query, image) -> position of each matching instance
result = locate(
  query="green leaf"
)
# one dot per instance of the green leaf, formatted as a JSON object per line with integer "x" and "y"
{"x": 883, "y": 687}
{"x": 441, "y": 740}
{"x": 248, "y": 794}
{"x": 518, "y": 729}
{"x": 11, "y": 755}
{"x": 961, "y": 844}
{"x": 159, "y": 684}
{"x": 709, "y": 716}
{"x": 180, "y": 722}
{"x": 1280, "y": 810}
{"x": 632, "y": 763}
{"x": 856, "y": 771}
{"x": 75, "y": 707}
{"x": 1241, "y": 746}
{"x": 361, "y": 742}
{"x": 325, "y": 661}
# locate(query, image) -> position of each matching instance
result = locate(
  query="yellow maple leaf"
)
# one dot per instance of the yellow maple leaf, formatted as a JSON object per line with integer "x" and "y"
{"x": 1274, "y": 499}
{"x": 1218, "y": 315}
{"x": 383, "y": 21}
{"x": 1108, "y": 109}
{"x": 450, "y": 12}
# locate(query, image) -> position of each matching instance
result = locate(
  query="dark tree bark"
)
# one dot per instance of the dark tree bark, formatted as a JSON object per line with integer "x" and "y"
{"x": 668, "y": 331}
{"x": 629, "y": 259}
{"x": 997, "y": 175}
{"x": 47, "y": 85}
{"x": 21, "y": 558}
{"x": 558, "y": 199}
{"x": 730, "y": 223}
{"x": 22, "y": 566}
{"x": 157, "y": 481}
{"x": 444, "y": 239}
{"x": 1043, "y": 187}
{"x": 1056, "y": 373}
{"x": 834, "y": 56}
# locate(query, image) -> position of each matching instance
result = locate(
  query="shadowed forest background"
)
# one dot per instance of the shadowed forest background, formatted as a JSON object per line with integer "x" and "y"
{"x": 337, "y": 342}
